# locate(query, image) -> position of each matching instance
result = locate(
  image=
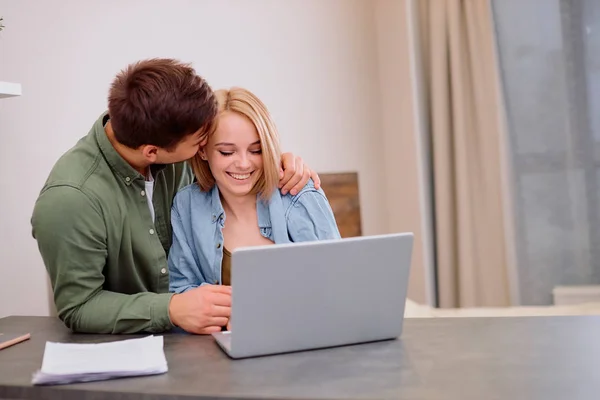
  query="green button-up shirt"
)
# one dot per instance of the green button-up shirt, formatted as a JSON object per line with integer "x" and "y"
{"x": 106, "y": 258}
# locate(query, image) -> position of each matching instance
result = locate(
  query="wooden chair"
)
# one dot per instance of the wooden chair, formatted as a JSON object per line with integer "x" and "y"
{"x": 343, "y": 193}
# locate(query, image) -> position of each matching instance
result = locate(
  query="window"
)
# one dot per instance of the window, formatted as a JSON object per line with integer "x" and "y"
{"x": 550, "y": 64}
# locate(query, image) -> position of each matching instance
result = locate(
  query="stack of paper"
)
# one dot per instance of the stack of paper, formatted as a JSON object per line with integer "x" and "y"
{"x": 77, "y": 362}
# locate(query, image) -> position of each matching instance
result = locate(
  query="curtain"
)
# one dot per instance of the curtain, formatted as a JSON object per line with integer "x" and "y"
{"x": 465, "y": 121}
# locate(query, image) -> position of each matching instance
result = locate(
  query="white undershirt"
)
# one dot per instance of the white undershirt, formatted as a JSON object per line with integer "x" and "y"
{"x": 149, "y": 191}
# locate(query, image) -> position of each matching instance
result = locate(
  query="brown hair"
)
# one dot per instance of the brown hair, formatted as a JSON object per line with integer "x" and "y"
{"x": 245, "y": 103}
{"x": 159, "y": 102}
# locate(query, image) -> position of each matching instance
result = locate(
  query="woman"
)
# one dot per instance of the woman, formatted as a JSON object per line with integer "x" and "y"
{"x": 236, "y": 202}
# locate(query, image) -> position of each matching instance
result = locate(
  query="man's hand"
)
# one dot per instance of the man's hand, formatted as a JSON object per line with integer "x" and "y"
{"x": 202, "y": 310}
{"x": 295, "y": 175}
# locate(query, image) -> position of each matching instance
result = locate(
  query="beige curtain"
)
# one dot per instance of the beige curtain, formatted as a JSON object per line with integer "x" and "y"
{"x": 465, "y": 121}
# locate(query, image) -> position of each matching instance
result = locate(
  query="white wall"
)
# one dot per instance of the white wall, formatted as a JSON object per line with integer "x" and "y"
{"x": 314, "y": 62}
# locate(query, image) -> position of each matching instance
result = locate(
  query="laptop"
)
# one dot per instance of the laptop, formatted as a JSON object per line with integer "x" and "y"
{"x": 314, "y": 295}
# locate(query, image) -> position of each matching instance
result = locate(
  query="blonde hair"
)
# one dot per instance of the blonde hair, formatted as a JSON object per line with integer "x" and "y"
{"x": 245, "y": 103}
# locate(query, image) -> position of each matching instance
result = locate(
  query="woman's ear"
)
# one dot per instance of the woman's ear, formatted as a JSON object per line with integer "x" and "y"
{"x": 202, "y": 153}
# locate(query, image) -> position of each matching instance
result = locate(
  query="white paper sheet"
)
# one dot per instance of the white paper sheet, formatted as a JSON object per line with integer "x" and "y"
{"x": 83, "y": 362}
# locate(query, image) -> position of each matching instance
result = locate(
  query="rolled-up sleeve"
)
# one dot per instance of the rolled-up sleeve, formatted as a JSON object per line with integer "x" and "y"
{"x": 311, "y": 218}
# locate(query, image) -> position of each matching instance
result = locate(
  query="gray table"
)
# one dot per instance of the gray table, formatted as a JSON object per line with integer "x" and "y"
{"x": 478, "y": 358}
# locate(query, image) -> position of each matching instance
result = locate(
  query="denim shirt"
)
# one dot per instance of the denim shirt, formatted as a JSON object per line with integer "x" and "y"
{"x": 198, "y": 218}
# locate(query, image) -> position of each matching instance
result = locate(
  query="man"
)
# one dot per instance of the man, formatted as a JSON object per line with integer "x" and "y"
{"x": 102, "y": 219}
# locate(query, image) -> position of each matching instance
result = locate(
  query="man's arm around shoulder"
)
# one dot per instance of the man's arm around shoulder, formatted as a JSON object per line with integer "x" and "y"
{"x": 71, "y": 234}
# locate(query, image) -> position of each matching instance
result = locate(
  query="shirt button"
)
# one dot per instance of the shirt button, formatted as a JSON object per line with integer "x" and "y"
{"x": 143, "y": 193}
{"x": 151, "y": 231}
{"x": 218, "y": 245}
{"x": 163, "y": 271}
{"x": 127, "y": 179}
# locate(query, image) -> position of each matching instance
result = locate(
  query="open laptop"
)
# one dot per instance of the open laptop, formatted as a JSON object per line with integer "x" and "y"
{"x": 311, "y": 295}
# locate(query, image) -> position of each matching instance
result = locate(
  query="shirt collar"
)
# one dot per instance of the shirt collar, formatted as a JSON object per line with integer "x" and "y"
{"x": 124, "y": 171}
{"x": 262, "y": 209}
